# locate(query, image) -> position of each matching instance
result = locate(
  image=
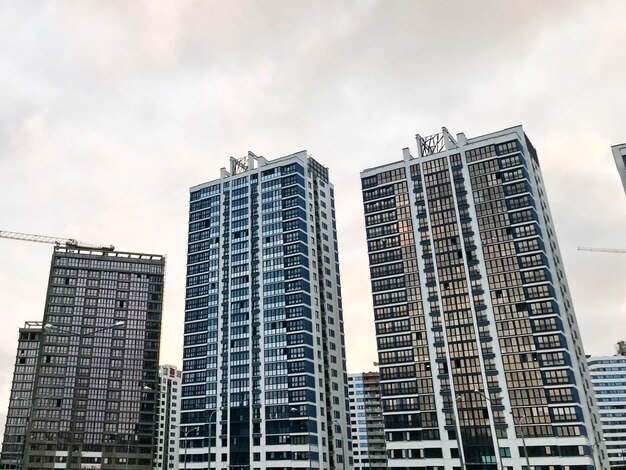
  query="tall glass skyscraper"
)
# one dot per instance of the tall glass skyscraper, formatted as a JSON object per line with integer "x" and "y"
{"x": 264, "y": 373}
{"x": 479, "y": 350}
{"x": 85, "y": 384}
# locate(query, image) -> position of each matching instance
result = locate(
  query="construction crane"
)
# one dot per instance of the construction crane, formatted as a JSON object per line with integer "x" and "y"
{"x": 66, "y": 242}
{"x": 602, "y": 250}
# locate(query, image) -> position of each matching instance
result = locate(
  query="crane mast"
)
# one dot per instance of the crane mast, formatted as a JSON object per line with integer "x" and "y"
{"x": 58, "y": 241}
{"x": 602, "y": 250}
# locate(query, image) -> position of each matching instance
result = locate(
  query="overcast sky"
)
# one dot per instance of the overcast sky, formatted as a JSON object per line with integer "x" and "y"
{"x": 109, "y": 111}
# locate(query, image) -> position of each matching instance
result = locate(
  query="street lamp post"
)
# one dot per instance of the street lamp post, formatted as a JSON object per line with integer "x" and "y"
{"x": 30, "y": 401}
{"x": 127, "y": 450}
{"x": 58, "y": 330}
{"x": 495, "y": 433}
{"x": 594, "y": 448}
{"x": 292, "y": 410}
{"x": 523, "y": 417}
{"x": 457, "y": 430}
{"x": 49, "y": 328}
{"x": 25, "y": 438}
{"x": 210, "y": 434}
{"x": 308, "y": 434}
{"x": 145, "y": 388}
{"x": 343, "y": 453}
{"x": 186, "y": 433}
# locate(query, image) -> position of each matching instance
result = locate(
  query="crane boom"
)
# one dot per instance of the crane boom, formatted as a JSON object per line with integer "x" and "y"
{"x": 67, "y": 242}
{"x": 602, "y": 250}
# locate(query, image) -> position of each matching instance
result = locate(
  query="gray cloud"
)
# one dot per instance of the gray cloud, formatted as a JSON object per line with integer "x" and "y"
{"x": 110, "y": 111}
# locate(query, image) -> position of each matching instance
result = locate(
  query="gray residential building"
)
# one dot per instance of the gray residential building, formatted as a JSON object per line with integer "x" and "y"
{"x": 619, "y": 153}
{"x": 21, "y": 395}
{"x": 481, "y": 360}
{"x": 94, "y": 389}
{"x": 368, "y": 437}
{"x": 170, "y": 379}
{"x": 264, "y": 371}
{"x": 608, "y": 375}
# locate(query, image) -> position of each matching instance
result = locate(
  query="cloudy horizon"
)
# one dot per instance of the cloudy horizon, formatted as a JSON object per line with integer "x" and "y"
{"x": 111, "y": 111}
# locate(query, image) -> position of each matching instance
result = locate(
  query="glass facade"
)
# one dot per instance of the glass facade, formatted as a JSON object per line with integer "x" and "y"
{"x": 477, "y": 340}
{"x": 264, "y": 382}
{"x": 94, "y": 399}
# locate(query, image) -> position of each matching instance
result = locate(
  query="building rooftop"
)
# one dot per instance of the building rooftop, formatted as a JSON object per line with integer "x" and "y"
{"x": 78, "y": 250}
{"x": 443, "y": 141}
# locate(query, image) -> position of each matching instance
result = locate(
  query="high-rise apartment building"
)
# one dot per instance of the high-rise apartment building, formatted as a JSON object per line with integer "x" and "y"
{"x": 479, "y": 350}
{"x": 264, "y": 373}
{"x": 366, "y": 418}
{"x": 170, "y": 379}
{"x": 608, "y": 375}
{"x": 619, "y": 153}
{"x": 96, "y": 369}
{"x": 21, "y": 395}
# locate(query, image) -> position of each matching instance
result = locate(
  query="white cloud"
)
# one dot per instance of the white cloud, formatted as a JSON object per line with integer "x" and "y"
{"x": 112, "y": 110}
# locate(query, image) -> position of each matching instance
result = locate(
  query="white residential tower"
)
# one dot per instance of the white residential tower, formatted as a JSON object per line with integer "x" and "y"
{"x": 368, "y": 436}
{"x": 608, "y": 375}
{"x": 480, "y": 354}
{"x": 170, "y": 380}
